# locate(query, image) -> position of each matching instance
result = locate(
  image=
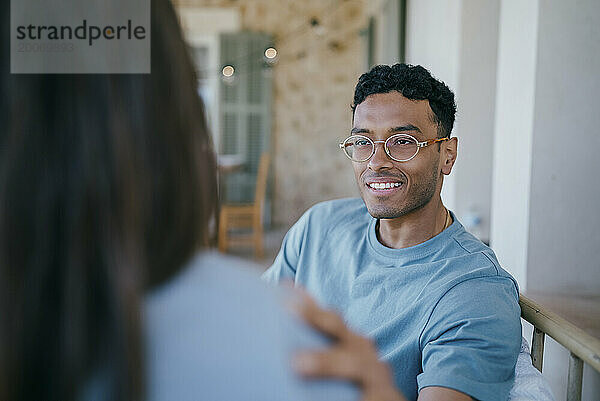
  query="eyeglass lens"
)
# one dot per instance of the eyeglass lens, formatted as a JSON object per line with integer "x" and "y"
{"x": 400, "y": 147}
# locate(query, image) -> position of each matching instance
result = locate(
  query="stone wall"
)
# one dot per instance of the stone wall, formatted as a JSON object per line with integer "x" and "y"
{"x": 313, "y": 83}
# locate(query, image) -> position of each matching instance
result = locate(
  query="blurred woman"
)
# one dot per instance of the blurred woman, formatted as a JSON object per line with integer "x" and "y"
{"x": 107, "y": 191}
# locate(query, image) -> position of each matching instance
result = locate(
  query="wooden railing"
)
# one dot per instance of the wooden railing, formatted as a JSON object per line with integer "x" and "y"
{"x": 583, "y": 347}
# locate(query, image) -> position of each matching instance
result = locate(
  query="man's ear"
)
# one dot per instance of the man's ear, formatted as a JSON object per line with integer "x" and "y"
{"x": 448, "y": 154}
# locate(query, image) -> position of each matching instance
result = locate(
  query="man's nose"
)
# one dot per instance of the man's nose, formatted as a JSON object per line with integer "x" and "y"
{"x": 380, "y": 159}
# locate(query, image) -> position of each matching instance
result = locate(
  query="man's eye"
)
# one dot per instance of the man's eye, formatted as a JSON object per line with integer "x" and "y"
{"x": 403, "y": 141}
{"x": 361, "y": 142}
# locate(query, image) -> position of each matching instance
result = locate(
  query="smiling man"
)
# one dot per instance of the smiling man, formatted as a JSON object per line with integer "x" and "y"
{"x": 398, "y": 265}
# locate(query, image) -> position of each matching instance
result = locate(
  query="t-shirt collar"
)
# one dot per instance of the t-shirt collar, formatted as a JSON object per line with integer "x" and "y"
{"x": 413, "y": 252}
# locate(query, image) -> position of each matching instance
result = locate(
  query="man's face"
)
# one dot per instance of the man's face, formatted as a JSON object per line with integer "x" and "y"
{"x": 378, "y": 117}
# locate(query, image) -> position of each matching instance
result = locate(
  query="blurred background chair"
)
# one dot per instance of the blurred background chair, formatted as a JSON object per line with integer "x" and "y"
{"x": 238, "y": 217}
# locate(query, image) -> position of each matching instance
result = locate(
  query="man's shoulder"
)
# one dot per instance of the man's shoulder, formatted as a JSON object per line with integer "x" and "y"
{"x": 476, "y": 259}
{"x": 334, "y": 216}
{"x": 342, "y": 208}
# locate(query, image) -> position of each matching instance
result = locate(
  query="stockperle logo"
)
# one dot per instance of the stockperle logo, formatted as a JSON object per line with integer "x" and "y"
{"x": 80, "y": 36}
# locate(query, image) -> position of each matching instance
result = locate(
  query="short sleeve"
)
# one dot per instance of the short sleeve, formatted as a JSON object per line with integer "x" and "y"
{"x": 472, "y": 339}
{"x": 284, "y": 266}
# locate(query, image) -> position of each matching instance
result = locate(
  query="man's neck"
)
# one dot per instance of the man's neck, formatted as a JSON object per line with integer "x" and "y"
{"x": 414, "y": 228}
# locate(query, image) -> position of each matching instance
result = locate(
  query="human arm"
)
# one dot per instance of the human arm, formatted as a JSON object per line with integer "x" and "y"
{"x": 529, "y": 384}
{"x": 285, "y": 264}
{"x": 434, "y": 393}
{"x": 351, "y": 356}
{"x": 471, "y": 341}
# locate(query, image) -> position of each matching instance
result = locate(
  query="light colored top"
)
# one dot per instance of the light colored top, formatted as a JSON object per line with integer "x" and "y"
{"x": 442, "y": 313}
{"x": 216, "y": 332}
{"x": 530, "y": 384}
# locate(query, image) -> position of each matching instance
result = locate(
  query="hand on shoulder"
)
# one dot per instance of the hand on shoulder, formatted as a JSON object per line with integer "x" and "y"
{"x": 350, "y": 357}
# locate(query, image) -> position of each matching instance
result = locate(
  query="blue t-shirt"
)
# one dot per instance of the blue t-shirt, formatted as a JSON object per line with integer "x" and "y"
{"x": 442, "y": 313}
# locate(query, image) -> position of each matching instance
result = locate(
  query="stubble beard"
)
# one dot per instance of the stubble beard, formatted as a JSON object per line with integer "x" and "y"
{"x": 419, "y": 195}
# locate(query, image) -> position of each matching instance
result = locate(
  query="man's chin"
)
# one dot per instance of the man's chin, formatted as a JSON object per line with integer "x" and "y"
{"x": 383, "y": 207}
{"x": 383, "y": 212}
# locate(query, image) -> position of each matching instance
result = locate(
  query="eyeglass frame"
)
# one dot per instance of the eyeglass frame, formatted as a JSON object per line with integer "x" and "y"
{"x": 385, "y": 147}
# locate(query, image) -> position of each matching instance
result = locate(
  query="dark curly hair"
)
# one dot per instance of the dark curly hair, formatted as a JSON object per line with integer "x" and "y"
{"x": 413, "y": 82}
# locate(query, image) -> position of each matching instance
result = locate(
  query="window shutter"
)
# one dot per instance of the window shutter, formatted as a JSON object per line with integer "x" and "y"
{"x": 245, "y": 110}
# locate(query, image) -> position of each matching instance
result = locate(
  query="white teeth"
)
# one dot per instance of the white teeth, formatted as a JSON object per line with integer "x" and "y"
{"x": 384, "y": 185}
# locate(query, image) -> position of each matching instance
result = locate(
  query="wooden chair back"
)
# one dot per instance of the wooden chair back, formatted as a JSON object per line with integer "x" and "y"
{"x": 261, "y": 180}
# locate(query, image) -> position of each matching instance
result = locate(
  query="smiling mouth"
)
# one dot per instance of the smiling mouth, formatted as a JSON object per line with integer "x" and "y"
{"x": 384, "y": 186}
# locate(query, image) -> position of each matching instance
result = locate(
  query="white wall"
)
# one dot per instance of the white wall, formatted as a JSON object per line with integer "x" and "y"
{"x": 433, "y": 31}
{"x": 513, "y": 135}
{"x": 386, "y": 12}
{"x": 476, "y": 95}
{"x": 544, "y": 217}
{"x": 433, "y": 36}
{"x": 564, "y": 219}
{"x": 457, "y": 41}
{"x": 208, "y": 20}
{"x": 564, "y": 222}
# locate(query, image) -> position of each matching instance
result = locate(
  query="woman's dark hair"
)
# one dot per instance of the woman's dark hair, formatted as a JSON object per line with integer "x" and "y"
{"x": 413, "y": 82}
{"x": 107, "y": 187}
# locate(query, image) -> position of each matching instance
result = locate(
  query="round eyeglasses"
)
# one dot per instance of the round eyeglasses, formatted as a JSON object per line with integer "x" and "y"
{"x": 399, "y": 147}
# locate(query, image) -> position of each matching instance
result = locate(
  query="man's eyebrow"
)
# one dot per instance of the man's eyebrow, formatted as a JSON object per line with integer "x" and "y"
{"x": 408, "y": 127}
{"x": 401, "y": 128}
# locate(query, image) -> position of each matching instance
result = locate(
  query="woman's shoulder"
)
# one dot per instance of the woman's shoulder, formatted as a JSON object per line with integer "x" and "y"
{"x": 217, "y": 330}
